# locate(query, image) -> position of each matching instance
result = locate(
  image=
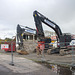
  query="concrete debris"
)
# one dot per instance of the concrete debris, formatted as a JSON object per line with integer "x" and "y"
{"x": 29, "y": 45}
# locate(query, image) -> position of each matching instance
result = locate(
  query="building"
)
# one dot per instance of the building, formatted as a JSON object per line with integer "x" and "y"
{"x": 31, "y": 35}
{"x": 51, "y": 35}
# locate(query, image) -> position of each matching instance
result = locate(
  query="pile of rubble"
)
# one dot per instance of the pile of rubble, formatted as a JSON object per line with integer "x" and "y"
{"x": 30, "y": 45}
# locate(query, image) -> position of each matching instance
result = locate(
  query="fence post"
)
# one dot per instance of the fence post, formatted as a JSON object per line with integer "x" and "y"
{"x": 72, "y": 68}
{"x": 73, "y": 55}
{"x": 12, "y": 63}
{"x": 43, "y": 47}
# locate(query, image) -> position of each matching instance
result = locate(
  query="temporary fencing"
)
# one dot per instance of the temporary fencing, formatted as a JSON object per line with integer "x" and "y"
{"x": 50, "y": 53}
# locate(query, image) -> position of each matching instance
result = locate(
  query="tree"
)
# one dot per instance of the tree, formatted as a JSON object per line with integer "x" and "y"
{"x": 8, "y": 39}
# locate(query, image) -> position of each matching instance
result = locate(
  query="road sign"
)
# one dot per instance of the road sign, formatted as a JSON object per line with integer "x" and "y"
{"x": 53, "y": 37}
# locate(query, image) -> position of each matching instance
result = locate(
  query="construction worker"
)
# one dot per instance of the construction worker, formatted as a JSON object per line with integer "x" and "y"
{"x": 40, "y": 47}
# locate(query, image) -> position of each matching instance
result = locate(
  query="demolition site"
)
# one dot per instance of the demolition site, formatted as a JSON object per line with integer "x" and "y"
{"x": 54, "y": 50}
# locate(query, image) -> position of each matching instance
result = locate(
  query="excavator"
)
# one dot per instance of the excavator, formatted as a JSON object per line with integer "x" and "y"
{"x": 63, "y": 39}
{"x": 20, "y": 30}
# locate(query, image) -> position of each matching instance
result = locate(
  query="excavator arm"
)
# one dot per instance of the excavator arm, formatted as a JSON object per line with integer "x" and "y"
{"x": 20, "y": 30}
{"x": 39, "y": 18}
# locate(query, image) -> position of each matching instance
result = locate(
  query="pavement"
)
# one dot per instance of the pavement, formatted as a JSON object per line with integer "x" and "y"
{"x": 53, "y": 59}
{"x": 22, "y": 66}
{"x": 25, "y": 64}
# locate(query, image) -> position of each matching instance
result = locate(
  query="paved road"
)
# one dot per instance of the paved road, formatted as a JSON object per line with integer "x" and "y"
{"x": 54, "y": 58}
{"x": 44, "y": 71}
{"x": 25, "y": 67}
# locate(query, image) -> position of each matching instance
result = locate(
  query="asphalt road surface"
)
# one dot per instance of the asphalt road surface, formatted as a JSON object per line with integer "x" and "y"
{"x": 44, "y": 71}
{"x": 22, "y": 66}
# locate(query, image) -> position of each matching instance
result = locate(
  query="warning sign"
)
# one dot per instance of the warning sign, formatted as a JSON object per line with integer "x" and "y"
{"x": 73, "y": 36}
{"x": 53, "y": 37}
{"x": 4, "y": 46}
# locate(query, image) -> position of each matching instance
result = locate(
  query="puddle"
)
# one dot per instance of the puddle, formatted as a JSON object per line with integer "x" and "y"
{"x": 64, "y": 70}
{"x": 60, "y": 70}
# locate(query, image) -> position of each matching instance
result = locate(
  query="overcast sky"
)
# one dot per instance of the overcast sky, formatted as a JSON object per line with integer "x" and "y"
{"x": 13, "y": 12}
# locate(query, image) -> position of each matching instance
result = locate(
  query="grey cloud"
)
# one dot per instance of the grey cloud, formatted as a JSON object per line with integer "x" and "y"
{"x": 13, "y": 12}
